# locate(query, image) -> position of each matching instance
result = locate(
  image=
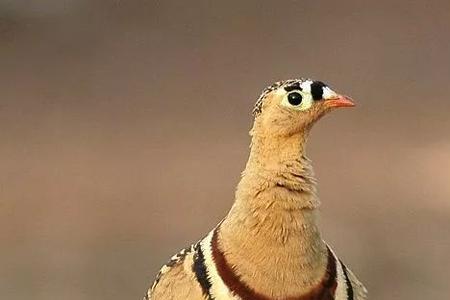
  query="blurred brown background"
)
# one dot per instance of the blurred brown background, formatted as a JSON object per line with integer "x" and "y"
{"x": 124, "y": 130}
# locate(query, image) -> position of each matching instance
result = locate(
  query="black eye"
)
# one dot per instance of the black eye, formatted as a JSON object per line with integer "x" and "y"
{"x": 295, "y": 98}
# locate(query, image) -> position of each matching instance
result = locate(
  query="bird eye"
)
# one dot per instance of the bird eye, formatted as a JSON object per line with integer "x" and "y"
{"x": 298, "y": 100}
{"x": 295, "y": 98}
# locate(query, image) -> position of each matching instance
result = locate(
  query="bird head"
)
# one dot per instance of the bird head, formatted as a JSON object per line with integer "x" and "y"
{"x": 293, "y": 106}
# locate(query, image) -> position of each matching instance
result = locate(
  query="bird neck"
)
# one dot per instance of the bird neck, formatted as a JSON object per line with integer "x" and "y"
{"x": 278, "y": 165}
{"x": 272, "y": 226}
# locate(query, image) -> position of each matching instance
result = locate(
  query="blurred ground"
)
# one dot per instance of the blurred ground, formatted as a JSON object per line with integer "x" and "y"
{"x": 124, "y": 130}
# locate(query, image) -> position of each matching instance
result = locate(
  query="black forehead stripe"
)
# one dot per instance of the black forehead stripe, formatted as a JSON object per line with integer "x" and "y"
{"x": 292, "y": 87}
{"x": 317, "y": 89}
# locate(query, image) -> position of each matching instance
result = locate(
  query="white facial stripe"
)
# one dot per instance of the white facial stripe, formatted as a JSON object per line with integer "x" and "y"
{"x": 328, "y": 93}
{"x": 306, "y": 86}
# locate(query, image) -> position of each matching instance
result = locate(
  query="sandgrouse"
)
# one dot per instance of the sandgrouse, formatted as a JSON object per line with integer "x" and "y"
{"x": 269, "y": 245}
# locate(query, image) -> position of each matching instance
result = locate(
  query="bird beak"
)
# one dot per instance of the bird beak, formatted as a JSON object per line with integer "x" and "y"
{"x": 339, "y": 101}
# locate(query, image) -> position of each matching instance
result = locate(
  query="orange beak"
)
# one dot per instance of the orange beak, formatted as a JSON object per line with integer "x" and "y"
{"x": 340, "y": 101}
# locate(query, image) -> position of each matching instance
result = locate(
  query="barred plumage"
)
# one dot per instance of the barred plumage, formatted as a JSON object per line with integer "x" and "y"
{"x": 269, "y": 245}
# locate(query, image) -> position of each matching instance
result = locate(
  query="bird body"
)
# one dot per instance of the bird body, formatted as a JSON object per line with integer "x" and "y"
{"x": 269, "y": 245}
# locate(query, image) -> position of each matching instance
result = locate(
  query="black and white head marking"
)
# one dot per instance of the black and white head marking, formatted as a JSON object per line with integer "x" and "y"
{"x": 317, "y": 89}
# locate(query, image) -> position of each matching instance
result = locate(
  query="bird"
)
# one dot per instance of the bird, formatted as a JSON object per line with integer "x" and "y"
{"x": 269, "y": 245}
